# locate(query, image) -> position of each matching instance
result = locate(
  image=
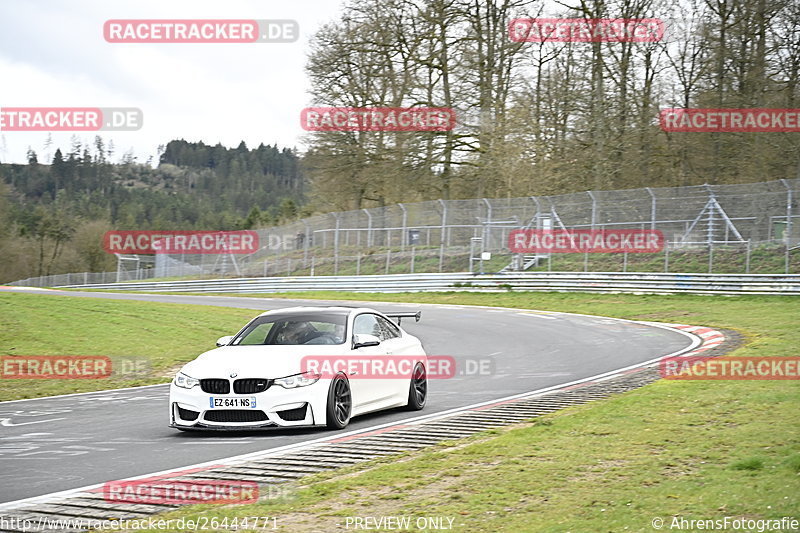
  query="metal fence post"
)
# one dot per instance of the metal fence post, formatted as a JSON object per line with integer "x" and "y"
{"x": 789, "y": 200}
{"x": 336, "y": 245}
{"x": 487, "y": 232}
{"x": 473, "y": 242}
{"x": 358, "y": 264}
{"x": 710, "y": 257}
{"x": 747, "y": 259}
{"x": 786, "y": 259}
{"x": 538, "y": 207}
{"x": 369, "y": 227}
{"x": 666, "y": 256}
{"x": 788, "y": 231}
{"x": 445, "y": 235}
{"x": 404, "y": 230}
{"x": 594, "y": 207}
{"x": 652, "y": 208}
{"x": 441, "y": 257}
{"x": 413, "y": 251}
{"x": 305, "y": 242}
{"x": 388, "y": 259}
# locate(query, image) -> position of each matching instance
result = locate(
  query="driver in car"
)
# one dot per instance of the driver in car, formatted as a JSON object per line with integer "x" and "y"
{"x": 297, "y": 333}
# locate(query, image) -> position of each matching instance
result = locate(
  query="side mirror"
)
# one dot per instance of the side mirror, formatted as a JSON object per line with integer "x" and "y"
{"x": 363, "y": 340}
{"x": 224, "y": 341}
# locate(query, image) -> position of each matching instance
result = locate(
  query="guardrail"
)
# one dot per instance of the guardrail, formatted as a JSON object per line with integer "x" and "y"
{"x": 631, "y": 282}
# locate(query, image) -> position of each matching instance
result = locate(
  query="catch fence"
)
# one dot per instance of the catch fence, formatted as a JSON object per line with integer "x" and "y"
{"x": 744, "y": 228}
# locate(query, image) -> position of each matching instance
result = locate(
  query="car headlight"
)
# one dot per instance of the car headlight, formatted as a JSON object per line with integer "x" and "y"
{"x": 298, "y": 380}
{"x": 185, "y": 382}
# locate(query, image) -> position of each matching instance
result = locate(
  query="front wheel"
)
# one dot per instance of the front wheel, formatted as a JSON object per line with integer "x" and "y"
{"x": 340, "y": 403}
{"x": 418, "y": 389}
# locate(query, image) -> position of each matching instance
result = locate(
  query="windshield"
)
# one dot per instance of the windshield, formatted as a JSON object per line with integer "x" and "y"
{"x": 294, "y": 329}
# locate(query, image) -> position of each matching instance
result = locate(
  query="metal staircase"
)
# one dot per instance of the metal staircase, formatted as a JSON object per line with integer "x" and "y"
{"x": 540, "y": 221}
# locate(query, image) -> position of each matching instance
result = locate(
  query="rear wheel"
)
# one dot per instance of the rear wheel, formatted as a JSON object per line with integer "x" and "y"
{"x": 340, "y": 403}
{"x": 418, "y": 389}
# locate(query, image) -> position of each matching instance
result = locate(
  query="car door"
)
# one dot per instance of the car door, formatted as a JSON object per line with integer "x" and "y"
{"x": 368, "y": 390}
{"x": 402, "y": 353}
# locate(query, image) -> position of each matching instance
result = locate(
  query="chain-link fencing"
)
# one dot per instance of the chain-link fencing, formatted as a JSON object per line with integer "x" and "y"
{"x": 745, "y": 228}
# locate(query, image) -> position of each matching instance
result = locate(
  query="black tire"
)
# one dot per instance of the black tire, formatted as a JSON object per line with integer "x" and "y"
{"x": 418, "y": 389}
{"x": 340, "y": 403}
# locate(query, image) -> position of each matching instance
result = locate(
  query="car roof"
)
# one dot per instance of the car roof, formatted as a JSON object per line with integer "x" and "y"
{"x": 304, "y": 309}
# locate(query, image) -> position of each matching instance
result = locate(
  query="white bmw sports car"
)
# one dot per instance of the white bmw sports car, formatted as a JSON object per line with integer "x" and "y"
{"x": 303, "y": 366}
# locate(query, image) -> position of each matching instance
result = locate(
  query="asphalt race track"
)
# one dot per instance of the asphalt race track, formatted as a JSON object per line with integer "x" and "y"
{"x": 54, "y": 444}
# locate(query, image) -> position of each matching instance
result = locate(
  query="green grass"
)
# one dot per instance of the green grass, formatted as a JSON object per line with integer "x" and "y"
{"x": 372, "y": 261}
{"x": 691, "y": 449}
{"x": 162, "y": 335}
{"x": 613, "y": 466}
{"x": 763, "y": 260}
{"x": 727, "y": 259}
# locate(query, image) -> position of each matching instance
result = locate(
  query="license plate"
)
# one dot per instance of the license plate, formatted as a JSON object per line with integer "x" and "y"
{"x": 232, "y": 402}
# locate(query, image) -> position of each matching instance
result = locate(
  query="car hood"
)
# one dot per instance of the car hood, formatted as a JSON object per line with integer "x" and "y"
{"x": 256, "y": 361}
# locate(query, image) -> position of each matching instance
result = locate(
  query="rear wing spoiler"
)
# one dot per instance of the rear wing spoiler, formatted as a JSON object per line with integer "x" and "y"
{"x": 399, "y": 316}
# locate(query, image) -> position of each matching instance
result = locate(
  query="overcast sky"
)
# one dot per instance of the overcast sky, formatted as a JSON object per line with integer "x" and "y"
{"x": 53, "y": 54}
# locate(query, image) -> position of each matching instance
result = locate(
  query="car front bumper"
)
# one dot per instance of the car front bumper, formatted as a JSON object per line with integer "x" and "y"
{"x": 275, "y": 407}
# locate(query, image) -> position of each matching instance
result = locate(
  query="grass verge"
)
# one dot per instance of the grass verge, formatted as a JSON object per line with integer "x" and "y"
{"x": 163, "y": 336}
{"x": 691, "y": 450}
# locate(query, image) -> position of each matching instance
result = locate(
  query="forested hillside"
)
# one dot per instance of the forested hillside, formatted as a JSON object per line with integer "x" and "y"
{"x": 53, "y": 214}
